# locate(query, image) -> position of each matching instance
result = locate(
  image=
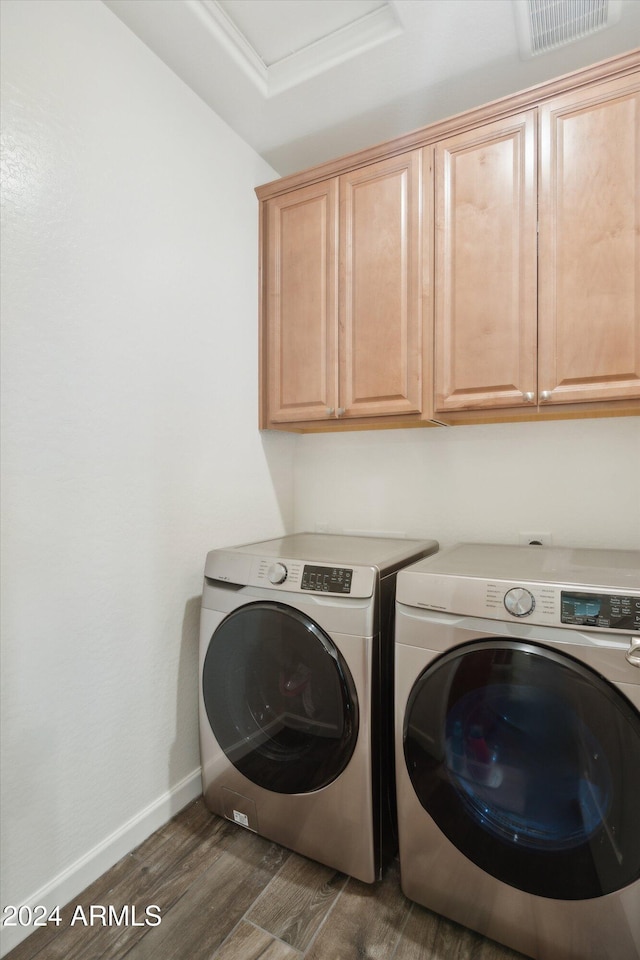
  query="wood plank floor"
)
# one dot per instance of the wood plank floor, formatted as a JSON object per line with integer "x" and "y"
{"x": 227, "y": 894}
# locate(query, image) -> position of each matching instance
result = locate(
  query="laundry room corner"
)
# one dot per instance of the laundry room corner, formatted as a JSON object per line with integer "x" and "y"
{"x": 201, "y": 608}
{"x": 130, "y": 440}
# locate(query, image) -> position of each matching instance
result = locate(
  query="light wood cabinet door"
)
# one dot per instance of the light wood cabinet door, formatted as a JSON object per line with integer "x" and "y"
{"x": 299, "y": 362}
{"x": 485, "y": 276}
{"x": 589, "y": 256}
{"x": 381, "y": 357}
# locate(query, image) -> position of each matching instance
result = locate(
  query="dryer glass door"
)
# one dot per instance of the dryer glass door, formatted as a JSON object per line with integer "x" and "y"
{"x": 280, "y": 699}
{"x": 529, "y": 762}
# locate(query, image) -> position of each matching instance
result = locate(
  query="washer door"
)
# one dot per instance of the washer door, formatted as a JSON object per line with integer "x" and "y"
{"x": 280, "y": 698}
{"x": 529, "y": 762}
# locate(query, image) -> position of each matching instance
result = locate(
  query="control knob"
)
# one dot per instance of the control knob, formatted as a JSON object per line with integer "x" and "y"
{"x": 277, "y": 573}
{"x": 519, "y": 602}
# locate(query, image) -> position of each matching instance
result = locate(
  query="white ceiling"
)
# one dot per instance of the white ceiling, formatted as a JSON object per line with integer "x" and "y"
{"x": 304, "y": 81}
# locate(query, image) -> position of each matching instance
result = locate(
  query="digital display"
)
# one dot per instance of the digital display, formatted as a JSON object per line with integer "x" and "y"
{"x": 582, "y": 606}
{"x": 606, "y": 611}
{"x": 326, "y": 579}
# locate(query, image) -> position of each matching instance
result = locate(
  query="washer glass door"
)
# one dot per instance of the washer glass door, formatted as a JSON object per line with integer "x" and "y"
{"x": 280, "y": 699}
{"x": 529, "y": 762}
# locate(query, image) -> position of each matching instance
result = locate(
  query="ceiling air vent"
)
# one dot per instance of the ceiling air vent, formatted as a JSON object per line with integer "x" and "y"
{"x": 544, "y": 25}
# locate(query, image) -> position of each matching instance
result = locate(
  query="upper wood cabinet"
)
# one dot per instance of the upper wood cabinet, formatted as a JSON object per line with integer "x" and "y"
{"x": 485, "y": 290}
{"x": 300, "y": 304}
{"x": 344, "y": 337}
{"x": 518, "y": 327}
{"x": 381, "y": 259}
{"x": 484, "y": 268}
{"x": 589, "y": 258}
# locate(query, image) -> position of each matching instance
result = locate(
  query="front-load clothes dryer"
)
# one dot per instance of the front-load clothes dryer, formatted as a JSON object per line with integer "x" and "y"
{"x": 518, "y": 745}
{"x": 296, "y": 723}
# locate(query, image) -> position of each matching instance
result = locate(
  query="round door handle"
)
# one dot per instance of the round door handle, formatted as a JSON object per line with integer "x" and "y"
{"x": 529, "y": 396}
{"x": 633, "y": 653}
{"x": 330, "y": 411}
{"x": 341, "y": 411}
{"x": 545, "y": 396}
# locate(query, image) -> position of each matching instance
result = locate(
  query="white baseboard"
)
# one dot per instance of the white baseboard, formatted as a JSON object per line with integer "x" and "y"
{"x": 72, "y": 881}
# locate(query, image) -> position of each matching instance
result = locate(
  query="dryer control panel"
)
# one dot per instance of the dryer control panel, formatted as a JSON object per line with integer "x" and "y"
{"x": 291, "y": 575}
{"x": 326, "y": 579}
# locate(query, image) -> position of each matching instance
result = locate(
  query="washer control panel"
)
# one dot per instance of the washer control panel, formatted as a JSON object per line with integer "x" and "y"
{"x": 560, "y": 606}
{"x": 608, "y": 611}
{"x": 573, "y": 588}
{"x": 544, "y": 604}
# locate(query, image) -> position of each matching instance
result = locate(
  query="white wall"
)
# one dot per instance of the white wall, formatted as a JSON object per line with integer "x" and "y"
{"x": 578, "y": 480}
{"x": 130, "y": 432}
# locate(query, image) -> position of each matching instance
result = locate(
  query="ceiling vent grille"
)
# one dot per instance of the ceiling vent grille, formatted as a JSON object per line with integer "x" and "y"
{"x": 544, "y": 25}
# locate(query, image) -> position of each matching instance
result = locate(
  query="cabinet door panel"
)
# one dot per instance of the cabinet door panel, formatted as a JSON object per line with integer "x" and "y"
{"x": 589, "y": 324}
{"x": 301, "y": 304}
{"x": 380, "y": 310}
{"x": 486, "y": 266}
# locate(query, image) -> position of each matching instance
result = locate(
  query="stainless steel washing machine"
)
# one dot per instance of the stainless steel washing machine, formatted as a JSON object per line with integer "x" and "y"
{"x": 296, "y": 723}
{"x": 518, "y": 745}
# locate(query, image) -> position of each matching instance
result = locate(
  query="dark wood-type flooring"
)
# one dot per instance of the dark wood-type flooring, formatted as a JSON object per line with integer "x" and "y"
{"x": 227, "y": 894}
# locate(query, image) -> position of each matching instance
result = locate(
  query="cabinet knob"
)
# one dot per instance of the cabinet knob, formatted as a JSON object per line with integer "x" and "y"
{"x": 340, "y": 411}
{"x": 330, "y": 411}
{"x": 545, "y": 396}
{"x": 529, "y": 396}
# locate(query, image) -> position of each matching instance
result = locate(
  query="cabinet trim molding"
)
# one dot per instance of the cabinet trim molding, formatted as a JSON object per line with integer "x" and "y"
{"x": 513, "y": 103}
